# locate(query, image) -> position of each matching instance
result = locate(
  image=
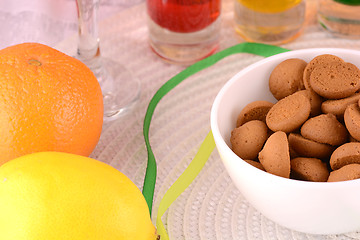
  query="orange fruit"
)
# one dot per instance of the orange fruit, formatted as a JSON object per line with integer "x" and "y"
{"x": 49, "y": 101}
{"x": 62, "y": 196}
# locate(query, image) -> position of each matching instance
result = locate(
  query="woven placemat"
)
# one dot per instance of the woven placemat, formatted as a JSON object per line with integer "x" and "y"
{"x": 212, "y": 207}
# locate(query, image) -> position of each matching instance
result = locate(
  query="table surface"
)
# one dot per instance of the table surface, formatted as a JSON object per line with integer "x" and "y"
{"x": 212, "y": 207}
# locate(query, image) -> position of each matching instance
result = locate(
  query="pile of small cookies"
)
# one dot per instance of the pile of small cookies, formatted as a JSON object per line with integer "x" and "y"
{"x": 312, "y": 132}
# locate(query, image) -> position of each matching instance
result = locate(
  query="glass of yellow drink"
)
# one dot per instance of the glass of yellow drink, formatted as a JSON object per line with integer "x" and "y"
{"x": 269, "y": 21}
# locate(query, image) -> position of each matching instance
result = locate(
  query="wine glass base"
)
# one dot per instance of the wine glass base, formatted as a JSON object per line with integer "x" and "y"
{"x": 121, "y": 90}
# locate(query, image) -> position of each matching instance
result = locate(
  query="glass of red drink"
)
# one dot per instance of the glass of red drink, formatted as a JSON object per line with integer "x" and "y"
{"x": 184, "y": 31}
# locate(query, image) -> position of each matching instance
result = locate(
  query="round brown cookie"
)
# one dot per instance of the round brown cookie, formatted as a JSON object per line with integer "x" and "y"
{"x": 337, "y": 107}
{"x": 345, "y": 154}
{"x": 352, "y": 120}
{"x": 315, "y": 101}
{"x": 274, "y": 156}
{"x": 256, "y": 110}
{"x": 335, "y": 80}
{"x": 248, "y": 139}
{"x": 348, "y": 172}
{"x": 309, "y": 148}
{"x": 255, "y": 164}
{"x": 325, "y": 128}
{"x": 318, "y": 60}
{"x": 309, "y": 169}
{"x": 289, "y": 113}
{"x": 287, "y": 78}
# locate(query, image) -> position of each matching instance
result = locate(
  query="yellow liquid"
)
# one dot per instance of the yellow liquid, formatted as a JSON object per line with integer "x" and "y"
{"x": 269, "y": 6}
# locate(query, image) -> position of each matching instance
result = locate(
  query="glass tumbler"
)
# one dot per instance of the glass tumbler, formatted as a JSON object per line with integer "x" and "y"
{"x": 340, "y": 17}
{"x": 272, "y": 22}
{"x": 184, "y": 31}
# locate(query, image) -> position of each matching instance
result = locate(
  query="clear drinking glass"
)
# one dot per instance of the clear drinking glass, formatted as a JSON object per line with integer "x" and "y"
{"x": 120, "y": 88}
{"x": 340, "y": 17}
{"x": 184, "y": 31}
{"x": 265, "y": 21}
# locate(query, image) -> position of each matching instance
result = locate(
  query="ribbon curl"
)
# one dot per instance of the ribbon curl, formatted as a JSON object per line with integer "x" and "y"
{"x": 206, "y": 147}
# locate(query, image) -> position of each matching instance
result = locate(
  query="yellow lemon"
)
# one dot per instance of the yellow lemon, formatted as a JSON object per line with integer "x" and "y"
{"x": 269, "y": 6}
{"x": 62, "y": 196}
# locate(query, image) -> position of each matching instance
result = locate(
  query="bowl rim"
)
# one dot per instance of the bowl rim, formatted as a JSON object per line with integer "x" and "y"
{"x": 220, "y": 142}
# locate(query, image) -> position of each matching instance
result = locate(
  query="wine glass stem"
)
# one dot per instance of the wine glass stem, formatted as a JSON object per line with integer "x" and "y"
{"x": 88, "y": 49}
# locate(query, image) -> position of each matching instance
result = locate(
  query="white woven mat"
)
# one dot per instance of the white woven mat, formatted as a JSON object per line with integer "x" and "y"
{"x": 211, "y": 208}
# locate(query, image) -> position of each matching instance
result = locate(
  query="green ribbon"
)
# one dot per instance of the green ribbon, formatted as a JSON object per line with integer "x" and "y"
{"x": 207, "y": 146}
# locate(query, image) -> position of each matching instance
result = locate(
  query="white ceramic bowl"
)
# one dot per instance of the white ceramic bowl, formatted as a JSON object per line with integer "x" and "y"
{"x": 310, "y": 207}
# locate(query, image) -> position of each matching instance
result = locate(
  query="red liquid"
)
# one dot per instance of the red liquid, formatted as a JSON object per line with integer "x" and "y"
{"x": 183, "y": 16}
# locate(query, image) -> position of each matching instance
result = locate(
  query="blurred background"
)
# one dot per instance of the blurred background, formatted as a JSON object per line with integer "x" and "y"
{"x": 47, "y": 21}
